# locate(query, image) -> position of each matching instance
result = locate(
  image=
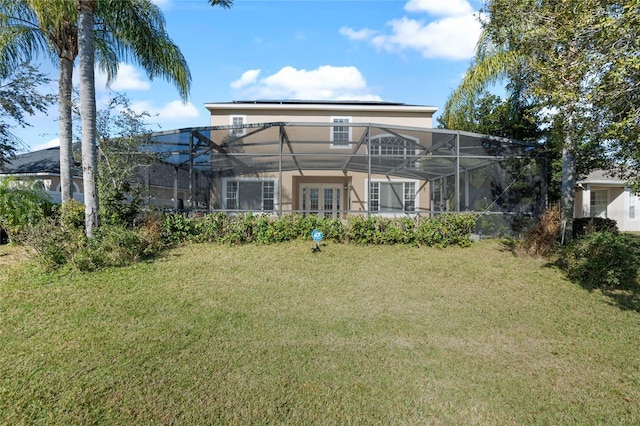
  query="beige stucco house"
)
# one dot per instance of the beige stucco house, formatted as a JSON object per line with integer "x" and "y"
{"x": 336, "y": 158}
{"x": 328, "y": 136}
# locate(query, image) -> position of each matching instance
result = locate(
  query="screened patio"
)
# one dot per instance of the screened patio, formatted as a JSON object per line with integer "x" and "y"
{"x": 375, "y": 169}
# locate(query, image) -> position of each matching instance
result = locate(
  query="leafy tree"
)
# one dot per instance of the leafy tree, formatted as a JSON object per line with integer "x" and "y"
{"x": 489, "y": 114}
{"x": 550, "y": 51}
{"x": 19, "y": 95}
{"x": 617, "y": 96}
{"x": 123, "y": 137}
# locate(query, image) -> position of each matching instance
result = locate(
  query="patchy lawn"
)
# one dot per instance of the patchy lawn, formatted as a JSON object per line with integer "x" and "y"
{"x": 275, "y": 334}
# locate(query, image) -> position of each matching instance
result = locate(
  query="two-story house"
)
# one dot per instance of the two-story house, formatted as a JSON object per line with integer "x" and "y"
{"x": 339, "y": 157}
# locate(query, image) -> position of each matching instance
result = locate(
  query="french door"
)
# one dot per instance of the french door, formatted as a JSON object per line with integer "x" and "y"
{"x": 322, "y": 200}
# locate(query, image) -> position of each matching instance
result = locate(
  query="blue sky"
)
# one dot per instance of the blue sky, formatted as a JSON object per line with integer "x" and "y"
{"x": 412, "y": 51}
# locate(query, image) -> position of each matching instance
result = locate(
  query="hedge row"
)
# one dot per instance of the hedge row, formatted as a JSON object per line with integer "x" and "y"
{"x": 439, "y": 231}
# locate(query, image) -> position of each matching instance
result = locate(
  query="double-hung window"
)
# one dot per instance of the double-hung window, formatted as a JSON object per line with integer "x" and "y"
{"x": 340, "y": 135}
{"x": 236, "y": 122}
{"x": 392, "y": 196}
{"x": 632, "y": 203}
{"x": 599, "y": 203}
{"x": 250, "y": 194}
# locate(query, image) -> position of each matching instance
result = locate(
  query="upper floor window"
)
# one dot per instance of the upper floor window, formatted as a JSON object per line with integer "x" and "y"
{"x": 340, "y": 135}
{"x": 237, "y": 121}
{"x": 395, "y": 147}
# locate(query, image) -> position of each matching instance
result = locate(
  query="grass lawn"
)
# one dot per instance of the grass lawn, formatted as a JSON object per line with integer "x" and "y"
{"x": 352, "y": 335}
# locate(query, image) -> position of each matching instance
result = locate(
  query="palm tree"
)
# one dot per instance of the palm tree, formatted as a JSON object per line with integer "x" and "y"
{"x": 141, "y": 35}
{"x": 124, "y": 30}
{"x": 33, "y": 28}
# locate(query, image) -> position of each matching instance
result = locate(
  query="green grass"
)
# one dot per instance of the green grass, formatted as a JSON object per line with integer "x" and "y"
{"x": 352, "y": 335}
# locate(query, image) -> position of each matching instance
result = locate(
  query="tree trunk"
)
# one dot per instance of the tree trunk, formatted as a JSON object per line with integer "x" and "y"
{"x": 86, "y": 54}
{"x": 568, "y": 191}
{"x": 66, "y": 132}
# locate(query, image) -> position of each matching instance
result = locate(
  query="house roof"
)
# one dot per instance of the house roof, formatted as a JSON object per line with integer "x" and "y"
{"x": 296, "y": 105}
{"x": 602, "y": 177}
{"x": 45, "y": 161}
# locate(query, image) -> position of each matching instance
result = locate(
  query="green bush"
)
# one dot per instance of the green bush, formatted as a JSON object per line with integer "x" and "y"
{"x": 247, "y": 228}
{"x": 21, "y": 206}
{"x": 56, "y": 246}
{"x": 602, "y": 259}
{"x": 588, "y": 225}
{"x": 71, "y": 214}
{"x": 53, "y": 244}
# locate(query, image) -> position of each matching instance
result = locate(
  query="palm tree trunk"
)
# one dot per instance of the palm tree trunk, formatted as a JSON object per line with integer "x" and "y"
{"x": 86, "y": 54}
{"x": 66, "y": 135}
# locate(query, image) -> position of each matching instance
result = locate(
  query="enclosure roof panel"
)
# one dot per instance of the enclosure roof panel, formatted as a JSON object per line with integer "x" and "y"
{"x": 422, "y": 153}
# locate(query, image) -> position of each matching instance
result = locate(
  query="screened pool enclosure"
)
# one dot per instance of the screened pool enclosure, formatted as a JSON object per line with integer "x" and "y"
{"x": 340, "y": 169}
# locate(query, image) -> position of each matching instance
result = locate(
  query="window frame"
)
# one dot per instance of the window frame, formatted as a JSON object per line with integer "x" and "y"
{"x": 593, "y": 202}
{"x": 405, "y": 200}
{"x": 238, "y": 181}
{"x": 332, "y": 132}
{"x": 237, "y": 131}
{"x": 408, "y": 153}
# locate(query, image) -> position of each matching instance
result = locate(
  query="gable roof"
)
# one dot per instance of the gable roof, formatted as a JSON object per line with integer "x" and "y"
{"x": 602, "y": 177}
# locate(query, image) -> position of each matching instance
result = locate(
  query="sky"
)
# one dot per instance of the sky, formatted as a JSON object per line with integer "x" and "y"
{"x": 410, "y": 51}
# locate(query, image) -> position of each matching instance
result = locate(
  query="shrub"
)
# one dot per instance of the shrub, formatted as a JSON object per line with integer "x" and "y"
{"x": 602, "y": 259}
{"x": 53, "y": 244}
{"x": 71, "y": 214}
{"x": 21, "y": 207}
{"x": 446, "y": 229}
{"x": 587, "y": 225}
{"x": 56, "y": 246}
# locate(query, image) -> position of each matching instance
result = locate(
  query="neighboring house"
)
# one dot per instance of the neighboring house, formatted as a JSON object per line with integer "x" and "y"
{"x": 338, "y": 157}
{"x": 602, "y": 195}
{"x": 41, "y": 169}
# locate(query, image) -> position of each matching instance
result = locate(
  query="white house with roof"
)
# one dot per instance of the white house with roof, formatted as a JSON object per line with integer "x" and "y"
{"x": 603, "y": 195}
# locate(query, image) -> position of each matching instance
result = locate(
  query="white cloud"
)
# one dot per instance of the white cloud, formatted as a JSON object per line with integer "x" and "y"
{"x": 49, "y": 144}
{"x": 362, "y": 34}
{"x": 248, "y": 77}
{"x": 323, "y": 83}
{"x": 128, "y": 78}
{"x": 172, "y": 111}
{"x": 438, "y": 39}
{"x": 439, "y": 7}
{"x": 452, "y": 34}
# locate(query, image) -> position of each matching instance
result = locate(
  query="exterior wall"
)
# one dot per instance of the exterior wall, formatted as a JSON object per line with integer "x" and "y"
{"x": 354, "y": 185}
{"x": 399, "y": 115}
